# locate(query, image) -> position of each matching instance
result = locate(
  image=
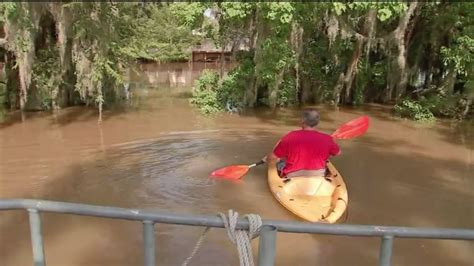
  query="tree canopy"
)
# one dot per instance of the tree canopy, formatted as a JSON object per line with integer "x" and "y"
{"x": 417, "y": 56}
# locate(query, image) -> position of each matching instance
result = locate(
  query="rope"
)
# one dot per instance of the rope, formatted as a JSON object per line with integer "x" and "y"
{"x": 197, "y": 246}
{"x": 240, "y": 238}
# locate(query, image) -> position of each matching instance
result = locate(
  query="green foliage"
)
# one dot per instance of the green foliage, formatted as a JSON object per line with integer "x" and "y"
{"x": 205, "y": 91}
{"x": 287, "y": 94}
{"x": 106, "y": 37}
{"x": 161, "y": 32}
{"x": 426, "y": 107}
{"x": 3, "y": 95}
{"x": 96, "y": 53}
{"x": 339, "y": 8}
{"x": 362, "y": 80}
{"x": 10, "y": 11}
{"x": 446, "y": 106}
{"x": 47, "y": 76}
{"x": 233, "y": 86}
{"x": 212, "y": 95}
{"x": 461, "y": 55}
{"x": 188, "y": 14}
{"x": 275, "y": 55}
{"x": 236, "y": 10}
{"x": 20, "y": 15}
{"x": 385, "y": 10}
{"x": 282, "y": 12}
{"x": 414, "y": 110}
{"x": 3, "y": 88}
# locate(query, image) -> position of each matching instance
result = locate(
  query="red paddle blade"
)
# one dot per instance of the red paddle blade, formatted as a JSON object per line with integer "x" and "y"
{"x": 353, "y": 128}
{"x": 231, "y": 172}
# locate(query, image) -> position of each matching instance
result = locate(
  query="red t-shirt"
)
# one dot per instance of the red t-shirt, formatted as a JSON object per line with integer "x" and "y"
{"x": 305, "y": 150}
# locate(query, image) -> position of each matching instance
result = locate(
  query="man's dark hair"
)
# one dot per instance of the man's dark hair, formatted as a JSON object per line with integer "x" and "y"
{"x": 311, "y": 117}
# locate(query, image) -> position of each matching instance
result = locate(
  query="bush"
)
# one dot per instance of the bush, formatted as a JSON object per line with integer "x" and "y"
{"x": 205, "y": 93}
{"x": 414, "y": 110}
{"x": 212, "y": 95}
{"x": 232, "y": 90}
{"x": 47, "y": 76}
{"x": 287, "y": 94}
{"x": 447, "y": 106}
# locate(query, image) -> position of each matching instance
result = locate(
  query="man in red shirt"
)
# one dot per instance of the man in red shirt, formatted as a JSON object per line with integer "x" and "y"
{"x": 304, "y": 152}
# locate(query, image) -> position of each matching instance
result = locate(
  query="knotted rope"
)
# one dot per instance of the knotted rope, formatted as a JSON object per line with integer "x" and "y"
{"x": 240, "y": 238}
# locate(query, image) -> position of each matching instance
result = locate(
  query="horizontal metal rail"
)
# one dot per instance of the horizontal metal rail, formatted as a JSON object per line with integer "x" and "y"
{"x": 214, "y": 221}
{"x": 149, "y": 218}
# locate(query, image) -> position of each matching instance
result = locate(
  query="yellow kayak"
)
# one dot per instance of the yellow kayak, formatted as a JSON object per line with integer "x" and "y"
{"x": 314, "y": 199}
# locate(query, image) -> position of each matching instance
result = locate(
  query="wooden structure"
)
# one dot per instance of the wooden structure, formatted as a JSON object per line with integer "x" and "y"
{"x": 210, "y": 56}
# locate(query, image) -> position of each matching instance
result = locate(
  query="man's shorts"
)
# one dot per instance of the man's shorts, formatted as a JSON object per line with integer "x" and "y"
{"x": 281, "y": 164}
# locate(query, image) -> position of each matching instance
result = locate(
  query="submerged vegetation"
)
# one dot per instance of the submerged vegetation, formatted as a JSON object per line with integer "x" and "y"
{"x": 413, "y": 110}
{"x": 415, "y": 56}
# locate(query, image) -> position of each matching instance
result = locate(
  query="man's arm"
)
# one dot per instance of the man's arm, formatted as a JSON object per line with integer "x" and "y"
{"x": 279, "y": 151}
{"x": 334, "y": 150}
{"x": 271, "y": 158}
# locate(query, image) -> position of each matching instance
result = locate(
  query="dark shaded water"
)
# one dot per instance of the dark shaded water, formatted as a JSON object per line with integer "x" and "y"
{"x": 156, "y": 154}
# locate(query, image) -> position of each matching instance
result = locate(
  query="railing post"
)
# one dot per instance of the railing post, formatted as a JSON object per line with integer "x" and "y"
{"x": 386, "y": 251}
{"x": 266, "y": 247}
{"x": 36, "y": 237}
{"x": 149, "y": 243}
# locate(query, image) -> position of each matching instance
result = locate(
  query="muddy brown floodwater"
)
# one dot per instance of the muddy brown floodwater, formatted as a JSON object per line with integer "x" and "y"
{"x": 156, "y": 154}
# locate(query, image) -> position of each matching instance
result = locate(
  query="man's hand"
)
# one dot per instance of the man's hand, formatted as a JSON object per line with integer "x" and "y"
{"x": 271, "y": 158}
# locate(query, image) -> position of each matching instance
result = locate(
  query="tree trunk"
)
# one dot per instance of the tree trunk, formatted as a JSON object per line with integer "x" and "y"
{"x": 332, "y": 28}
{"x": 235, "y": 45}
{"x": 466, "y": 110}
{"x": 399, "y": 83}
{"x": 351, "y": 70}
{"x": 370, "y": 29}
{"x": 297, "y": 42}
{"x": 338, "y": 89}
{"x": 273, "y": 92}
{"x": 64, "y": 26}
{"x": 391, "y": 79}
{"x": 250, "y": 95}
{"x": 23, "y": 61}
{"x": 447, "y": 84}
{"x": 12, "y": 81}
{"x": 24, "y": 57}
{"x": 222, "y": 61}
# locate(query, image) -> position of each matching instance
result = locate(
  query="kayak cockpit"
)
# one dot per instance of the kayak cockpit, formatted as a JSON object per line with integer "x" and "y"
{"x": 316, "y": 199}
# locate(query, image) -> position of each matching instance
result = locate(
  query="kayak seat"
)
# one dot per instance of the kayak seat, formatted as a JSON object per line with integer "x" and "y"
{"x": 309, "y": 186}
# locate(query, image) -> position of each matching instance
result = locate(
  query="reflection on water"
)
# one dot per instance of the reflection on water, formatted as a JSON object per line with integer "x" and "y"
{"x": 158, "y": 155}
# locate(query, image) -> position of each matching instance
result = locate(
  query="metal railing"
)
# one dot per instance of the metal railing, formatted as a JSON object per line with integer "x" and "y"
{"x": 266, "y": 250}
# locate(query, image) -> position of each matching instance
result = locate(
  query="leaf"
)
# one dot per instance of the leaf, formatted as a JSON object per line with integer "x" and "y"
{"x": 339, "y": 8}
{"x": 384, "y": 14}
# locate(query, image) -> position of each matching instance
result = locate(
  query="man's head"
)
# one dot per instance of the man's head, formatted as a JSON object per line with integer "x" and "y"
{"x": 310, "y": 118}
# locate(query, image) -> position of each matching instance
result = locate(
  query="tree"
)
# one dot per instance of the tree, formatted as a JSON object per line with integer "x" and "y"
{"x": 60, "y": 54}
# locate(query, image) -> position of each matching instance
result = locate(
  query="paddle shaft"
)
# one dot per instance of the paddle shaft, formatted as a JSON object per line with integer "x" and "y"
{"x": 257, "y": 163}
